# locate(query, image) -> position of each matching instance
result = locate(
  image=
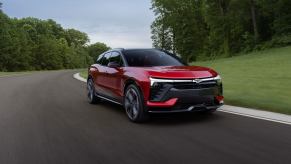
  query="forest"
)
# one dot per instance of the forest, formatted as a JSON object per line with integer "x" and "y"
{"x": 194, "y": 29}
{"x": 210, "y": 29}
{"x": 34, "y": 44}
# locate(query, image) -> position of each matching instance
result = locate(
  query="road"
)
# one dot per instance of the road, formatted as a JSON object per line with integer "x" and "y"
{"x": 45, "y": 118}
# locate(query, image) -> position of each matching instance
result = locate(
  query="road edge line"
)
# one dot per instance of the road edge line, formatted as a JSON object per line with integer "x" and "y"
{"x": 246, "y": 112}
{"x": 78, "y": 77}
{"x": 257, "y": 116}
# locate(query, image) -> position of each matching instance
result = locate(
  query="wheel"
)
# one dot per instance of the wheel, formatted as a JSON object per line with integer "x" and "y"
{"x": 92, "y": 98}
{"x": 134, "y": 104}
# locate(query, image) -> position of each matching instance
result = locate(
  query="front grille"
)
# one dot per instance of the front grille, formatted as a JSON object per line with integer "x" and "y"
{"x": 159, "y": 90}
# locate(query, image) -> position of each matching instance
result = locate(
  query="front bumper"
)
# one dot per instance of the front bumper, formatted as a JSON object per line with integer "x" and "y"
{"x": 171, "y": 99}
{"x": 193, "y": 108}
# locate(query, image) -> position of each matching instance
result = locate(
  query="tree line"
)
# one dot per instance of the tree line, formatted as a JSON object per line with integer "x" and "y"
{"x": 34, "y": 44}
{"x": 207, "y": 29}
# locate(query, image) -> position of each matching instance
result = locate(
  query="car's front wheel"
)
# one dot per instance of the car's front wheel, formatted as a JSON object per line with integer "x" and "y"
{"x": 134, "y": 104}
{"x": 92, "y": 98}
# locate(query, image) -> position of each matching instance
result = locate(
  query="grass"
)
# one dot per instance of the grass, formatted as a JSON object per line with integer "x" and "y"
{"x": 84, "y": 73}
{"x": 259, "y": 80}
{"x": 3, "y": 73}
{"x": 12, "y": 73}
{"x": 23, "y": 72}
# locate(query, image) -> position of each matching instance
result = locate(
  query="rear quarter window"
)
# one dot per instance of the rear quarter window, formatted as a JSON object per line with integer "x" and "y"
{"x": 106, "y": 58}
{"x": 99, "y": 59}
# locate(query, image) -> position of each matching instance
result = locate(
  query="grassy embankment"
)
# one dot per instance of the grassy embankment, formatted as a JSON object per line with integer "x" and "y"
{"x": 84, "y": 73}
{"x": 259, "y": 80}
{"x": 13, "y": 73}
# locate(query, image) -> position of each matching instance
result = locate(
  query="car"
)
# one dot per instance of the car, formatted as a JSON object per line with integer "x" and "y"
{"x": 148, "y": 81}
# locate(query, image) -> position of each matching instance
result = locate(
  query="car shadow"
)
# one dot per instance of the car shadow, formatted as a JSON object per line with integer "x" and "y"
{"x": 166, "y": 119}
{"x": 183, "y": 118}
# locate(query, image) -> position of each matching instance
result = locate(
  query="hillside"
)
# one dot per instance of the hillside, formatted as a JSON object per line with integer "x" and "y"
{"x": 259, "y": 80}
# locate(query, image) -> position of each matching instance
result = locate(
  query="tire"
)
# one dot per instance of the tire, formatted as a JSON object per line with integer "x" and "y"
{"x": 134, "y": 105}
{"x": 92, "y": 98}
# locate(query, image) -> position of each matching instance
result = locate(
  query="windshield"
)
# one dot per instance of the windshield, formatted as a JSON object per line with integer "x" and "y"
{"x": 150, "y": 58}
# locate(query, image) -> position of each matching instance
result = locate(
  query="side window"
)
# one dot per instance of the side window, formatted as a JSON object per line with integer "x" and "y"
{"x": 105, "y": 59}
{"x": 116, "y": 57}
{"x": 99, "y": 59}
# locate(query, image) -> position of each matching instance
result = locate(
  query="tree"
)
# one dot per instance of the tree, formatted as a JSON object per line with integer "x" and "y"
{"x": 76, "y": 38}
{"x": 254, "y": 19}
{"x": 282, "y": 22}
{"x": 219, "y": 28}
{"x": 162, "y": 36}
{"x": 97, "y": 49}
{"x": 35, "y": 44}
{"x": 179, "y": 27}
{"x": 217, "y": 18}
{"x": 5, "y": 39}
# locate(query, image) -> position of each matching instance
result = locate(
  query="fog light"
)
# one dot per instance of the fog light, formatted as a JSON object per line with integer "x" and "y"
{"x": 220, "y": 99}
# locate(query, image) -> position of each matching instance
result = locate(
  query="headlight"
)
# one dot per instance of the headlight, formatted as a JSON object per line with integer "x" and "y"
{"x": 155, "y": 80}
{"x": 218, "y": 79}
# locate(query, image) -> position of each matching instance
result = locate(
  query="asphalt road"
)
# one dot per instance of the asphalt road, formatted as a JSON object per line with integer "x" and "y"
{"x": 45, "y": 118}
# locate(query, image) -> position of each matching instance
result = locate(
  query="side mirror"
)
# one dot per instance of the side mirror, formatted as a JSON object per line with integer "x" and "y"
{"x": 113, "y": 65}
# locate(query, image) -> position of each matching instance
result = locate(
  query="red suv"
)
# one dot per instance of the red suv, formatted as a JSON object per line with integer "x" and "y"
{"x": 152, "y": 81}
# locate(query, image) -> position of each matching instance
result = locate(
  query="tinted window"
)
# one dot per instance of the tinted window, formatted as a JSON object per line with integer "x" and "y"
{"x": 99, "y": 59}
{"x": 150, "y": 58}
{"x": 105, "y": 59}
{"x": 115, "y": 57}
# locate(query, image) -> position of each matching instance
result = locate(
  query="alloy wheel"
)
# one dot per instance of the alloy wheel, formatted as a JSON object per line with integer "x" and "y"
{"x": 131, "y": 103}
{"x": 90, "y": 90}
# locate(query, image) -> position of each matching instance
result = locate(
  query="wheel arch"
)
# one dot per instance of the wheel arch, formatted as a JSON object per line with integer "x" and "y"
{"x": 128, "y": 82}
{"x": 143, "y": 114}
{"x": 89, "y": 77}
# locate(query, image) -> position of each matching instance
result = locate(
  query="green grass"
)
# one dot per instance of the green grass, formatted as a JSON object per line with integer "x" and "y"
{"x": 259, "y": 80}
{"x": 3, "y": 73}
{"x": 12, "y": 73}
{"x": 84, "y": 73}
{"x": 23, "y": 72}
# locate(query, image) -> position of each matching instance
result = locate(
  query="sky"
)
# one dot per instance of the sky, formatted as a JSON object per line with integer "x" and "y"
{"x": 118, "y": 23}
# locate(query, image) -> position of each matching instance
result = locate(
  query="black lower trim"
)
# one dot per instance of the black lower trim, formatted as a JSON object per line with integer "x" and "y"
{"x": 190, "y": 100}
{"x": 193, "y": 108}
{"x": 108, "y": 99}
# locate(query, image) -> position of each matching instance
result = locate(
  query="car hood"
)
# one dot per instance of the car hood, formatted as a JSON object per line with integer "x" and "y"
{"x": 180, "y": 72}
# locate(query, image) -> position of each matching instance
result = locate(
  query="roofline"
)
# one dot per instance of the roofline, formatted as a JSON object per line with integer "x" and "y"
{"x": 117, "y": 49}
{"x": 122, "y": 49}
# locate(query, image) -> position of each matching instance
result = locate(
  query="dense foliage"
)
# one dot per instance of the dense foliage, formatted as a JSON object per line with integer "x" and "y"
{"x": 34, "y": 44}
{"x": 203, "y": 29}
{"x": 96, "y": 49}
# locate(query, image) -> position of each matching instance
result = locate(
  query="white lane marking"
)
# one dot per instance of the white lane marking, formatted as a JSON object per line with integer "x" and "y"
{"x": 259, "y": 114}
{"x": 257, "y": 117}
{"x": 78, "y": 77}
{"x": 247, "y": 112}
